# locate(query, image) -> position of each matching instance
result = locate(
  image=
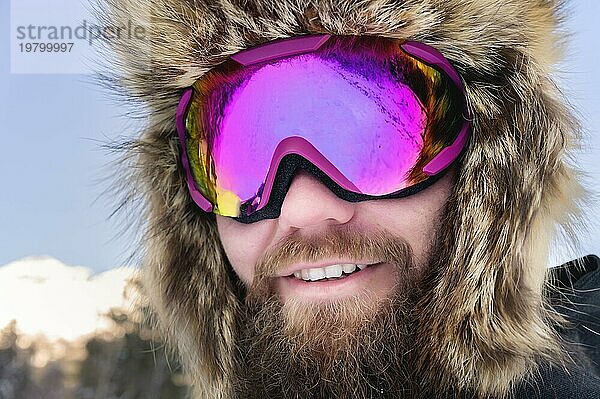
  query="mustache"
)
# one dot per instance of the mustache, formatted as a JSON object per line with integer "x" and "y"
{"x": 337, "y": 241}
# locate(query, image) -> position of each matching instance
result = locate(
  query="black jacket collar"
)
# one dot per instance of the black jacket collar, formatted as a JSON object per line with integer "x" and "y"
{"x": 575, "y": 293}
{"x": 569, "y": 274}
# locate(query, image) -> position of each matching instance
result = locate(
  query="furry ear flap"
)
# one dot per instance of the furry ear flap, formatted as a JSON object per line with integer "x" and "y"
{"x": 186, "y": 278}
{"x": 188, "y": 275}
{"x": 488, "y": 325}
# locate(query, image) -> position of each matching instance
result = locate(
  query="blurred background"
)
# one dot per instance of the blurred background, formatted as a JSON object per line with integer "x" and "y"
{"x": 70, "y": 314}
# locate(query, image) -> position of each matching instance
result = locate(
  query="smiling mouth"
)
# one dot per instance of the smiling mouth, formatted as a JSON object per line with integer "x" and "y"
{"x": 335, "y": 282}
{"x": 329, "y": 273}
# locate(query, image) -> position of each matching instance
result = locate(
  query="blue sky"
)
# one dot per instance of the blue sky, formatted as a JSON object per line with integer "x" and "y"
{"x": 52, "y": 164}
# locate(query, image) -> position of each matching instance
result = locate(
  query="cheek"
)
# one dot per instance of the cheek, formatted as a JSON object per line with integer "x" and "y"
{"x": 414, "y": 218}
{"x": 412, "y": 224}
{"x": 243, "y": 244}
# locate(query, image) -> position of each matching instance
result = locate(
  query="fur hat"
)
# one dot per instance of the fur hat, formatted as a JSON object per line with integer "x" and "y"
{"x": 488, "y": 324}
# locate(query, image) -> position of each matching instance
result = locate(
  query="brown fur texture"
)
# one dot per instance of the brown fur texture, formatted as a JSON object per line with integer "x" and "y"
{"x": 489, "y": 325}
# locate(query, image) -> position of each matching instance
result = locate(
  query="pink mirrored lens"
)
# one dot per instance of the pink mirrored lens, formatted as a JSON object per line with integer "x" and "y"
{"x": 365, "y": 126}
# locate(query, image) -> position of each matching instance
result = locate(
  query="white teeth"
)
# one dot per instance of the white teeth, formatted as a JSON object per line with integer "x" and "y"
{"x": 349, "y": 268}
{"x": 316, "y": 274}
{"x": 332, "y": 271}
{"x": 304, "y": 274}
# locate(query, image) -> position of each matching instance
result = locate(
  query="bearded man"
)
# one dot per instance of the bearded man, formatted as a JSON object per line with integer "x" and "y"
{"x": 356, "y": 199}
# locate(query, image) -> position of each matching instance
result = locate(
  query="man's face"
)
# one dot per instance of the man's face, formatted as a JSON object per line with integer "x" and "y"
{"x": 310, "y": 335}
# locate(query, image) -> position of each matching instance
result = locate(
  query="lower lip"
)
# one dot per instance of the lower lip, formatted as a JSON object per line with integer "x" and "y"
{"x": 371, "y": 277}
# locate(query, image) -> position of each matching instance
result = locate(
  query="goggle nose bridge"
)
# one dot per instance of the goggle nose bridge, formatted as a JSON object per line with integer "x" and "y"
{"x": 290, "y": 164}
{"x": 287, "y": 168}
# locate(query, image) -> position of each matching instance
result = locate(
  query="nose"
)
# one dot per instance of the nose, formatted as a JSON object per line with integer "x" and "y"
{"x": 309, "y": 203}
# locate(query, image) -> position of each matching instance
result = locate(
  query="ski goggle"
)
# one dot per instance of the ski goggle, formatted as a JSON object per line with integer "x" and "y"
{"x": 370, "y": 117}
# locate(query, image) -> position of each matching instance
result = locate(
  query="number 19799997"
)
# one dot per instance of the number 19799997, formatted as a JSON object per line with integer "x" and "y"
{"x": 46, "y": 47}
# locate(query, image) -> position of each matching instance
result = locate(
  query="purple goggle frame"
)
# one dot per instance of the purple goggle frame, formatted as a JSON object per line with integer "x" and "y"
{"x": 301, "y": 147}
